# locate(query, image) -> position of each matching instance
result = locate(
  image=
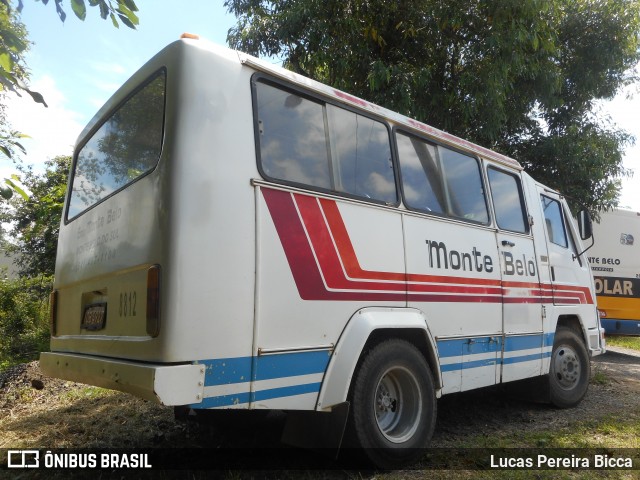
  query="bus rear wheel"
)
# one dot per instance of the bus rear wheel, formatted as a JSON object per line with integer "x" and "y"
{"x": 393, "y": 404}
{"x": 569, "y": 372}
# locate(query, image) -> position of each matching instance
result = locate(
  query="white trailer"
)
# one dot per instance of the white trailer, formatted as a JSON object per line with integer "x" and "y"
{"x": 237, "y": 236}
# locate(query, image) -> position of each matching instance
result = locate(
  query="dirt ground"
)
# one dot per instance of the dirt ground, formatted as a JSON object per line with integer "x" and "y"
{"x": 41, "y": 412}
{"x": 614, "y": 389}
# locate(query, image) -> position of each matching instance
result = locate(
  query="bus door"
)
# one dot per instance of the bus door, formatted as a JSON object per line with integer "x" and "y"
{"x": 452, "y": 264}
{"x": 521, "y": 299}
{"x": 564, "y": 266}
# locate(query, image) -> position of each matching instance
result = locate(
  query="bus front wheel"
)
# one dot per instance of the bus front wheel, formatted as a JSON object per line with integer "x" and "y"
{"x": 570, "y": 369}
{"x": 393, "y": 404}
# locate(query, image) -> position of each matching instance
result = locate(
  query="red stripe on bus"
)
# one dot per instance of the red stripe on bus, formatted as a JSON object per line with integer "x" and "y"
{"x": 325, "y": 266}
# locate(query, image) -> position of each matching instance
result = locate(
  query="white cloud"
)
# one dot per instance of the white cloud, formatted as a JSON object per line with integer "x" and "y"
{"x": 52, "y": 131}
{"x": 623, "y": 110}
{"x": 110, "y": 68}
{"x": 630, "y": 197}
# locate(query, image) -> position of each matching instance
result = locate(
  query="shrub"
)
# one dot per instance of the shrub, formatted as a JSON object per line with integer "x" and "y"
{"x": 24, "y": 318}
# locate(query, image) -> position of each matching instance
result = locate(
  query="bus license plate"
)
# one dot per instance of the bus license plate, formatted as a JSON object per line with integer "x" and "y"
{"x": 94, "y": 317}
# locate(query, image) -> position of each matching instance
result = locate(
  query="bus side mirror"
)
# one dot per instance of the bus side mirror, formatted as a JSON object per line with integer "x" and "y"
{"x": 585, "y": 226}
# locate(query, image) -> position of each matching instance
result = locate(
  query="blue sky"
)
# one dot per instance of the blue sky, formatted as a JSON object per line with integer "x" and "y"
{"x": 78, "y": 65}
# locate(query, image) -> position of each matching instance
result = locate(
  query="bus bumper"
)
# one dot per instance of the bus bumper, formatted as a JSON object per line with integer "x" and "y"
{"x": 597, "y": 344}
{"x": 613, "y": 326}
{"x": 164, "y": 384}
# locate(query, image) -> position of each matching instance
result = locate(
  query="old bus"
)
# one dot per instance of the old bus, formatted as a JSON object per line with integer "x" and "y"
{"x": 237, "y": 236}
{"x": 615, "y": 262}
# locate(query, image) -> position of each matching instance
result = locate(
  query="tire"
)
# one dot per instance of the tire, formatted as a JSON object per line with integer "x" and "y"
{"x": 393, "y": 405}
{"x": 570, "y": 369}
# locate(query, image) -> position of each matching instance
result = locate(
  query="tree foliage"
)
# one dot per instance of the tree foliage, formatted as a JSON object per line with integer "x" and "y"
{"x": 13, "y": 70}
{"x": 14, "y": 43}
{"x": 124, "y": 10}
{"x": 35, "y": 221}
{"x": 13, "y": 73}
{"x": 520, "y": 76}
{"x": 24, "y": 318}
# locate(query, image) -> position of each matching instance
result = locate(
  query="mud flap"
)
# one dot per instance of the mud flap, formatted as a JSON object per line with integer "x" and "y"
{"x": 328, "y": 429}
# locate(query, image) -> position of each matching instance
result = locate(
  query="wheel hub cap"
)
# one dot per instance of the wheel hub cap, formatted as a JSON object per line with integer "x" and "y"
{"x": 398, "y": 404}
{"x": 566, "y": 367}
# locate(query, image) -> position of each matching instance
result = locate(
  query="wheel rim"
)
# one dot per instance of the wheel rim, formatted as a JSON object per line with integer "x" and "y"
{"x": 566, "y": 367}
{"x": 398, "y": 404}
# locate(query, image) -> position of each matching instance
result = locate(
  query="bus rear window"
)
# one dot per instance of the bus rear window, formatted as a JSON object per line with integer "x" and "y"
{"x": 124, "y": 148}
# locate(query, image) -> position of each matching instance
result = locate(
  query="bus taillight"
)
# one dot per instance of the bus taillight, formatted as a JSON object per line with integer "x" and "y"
{"x": 53, "y": 312}
{"x": 153, "y": 300}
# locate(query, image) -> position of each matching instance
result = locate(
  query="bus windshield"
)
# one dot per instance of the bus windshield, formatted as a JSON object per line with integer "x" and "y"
{"x": 125, "y": 147}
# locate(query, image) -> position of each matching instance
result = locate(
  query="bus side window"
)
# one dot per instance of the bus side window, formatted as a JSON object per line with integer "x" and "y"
{"x": 439, "y": 180}
{"x": 508, "y": 202}
{"x": 464, "y": 186}
{"x": 421, "y": 176}
{"x": 361, "y": 155}
{"x": 293, "y": 144}
{"x": 554, "y": 222}
{"x": 308, "y": 142}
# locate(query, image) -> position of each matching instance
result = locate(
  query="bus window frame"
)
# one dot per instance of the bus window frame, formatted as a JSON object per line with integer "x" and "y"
{"x": 435, "y": 142}
{"x": 150, "y": 78}
{"x": 274, "y": 82}
{"x": 523, "y": 200}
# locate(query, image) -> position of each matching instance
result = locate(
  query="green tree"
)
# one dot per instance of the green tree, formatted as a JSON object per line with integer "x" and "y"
{"x": 124, "y": 10}
{"x": 24, "y": 319}
{"x": 35, "y": 221}
{"x": 14, "y": 43}
{"x": 13, "y": 70}
{"x": 520, "y": 76}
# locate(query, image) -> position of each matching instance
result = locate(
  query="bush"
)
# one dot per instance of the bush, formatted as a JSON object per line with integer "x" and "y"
{"x": 24, "y": 318}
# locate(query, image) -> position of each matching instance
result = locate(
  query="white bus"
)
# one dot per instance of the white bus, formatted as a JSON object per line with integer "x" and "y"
{"x": 615, "y": 262}
{"x": 237, "y": 236}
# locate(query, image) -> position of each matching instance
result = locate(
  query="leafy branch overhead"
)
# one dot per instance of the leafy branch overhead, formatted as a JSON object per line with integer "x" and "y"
{"x": 13, "y": 70}
{"x": 521, "y": 77}
{"x": 122, "y": 9}
{"x": 13, "y": 42}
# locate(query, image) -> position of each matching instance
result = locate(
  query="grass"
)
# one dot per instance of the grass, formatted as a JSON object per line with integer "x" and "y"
{"x": 598, "y": 377}
{"x": 77, "y": 416}
{"x": 93, "y": 417}
{"x": 624, "y": 341}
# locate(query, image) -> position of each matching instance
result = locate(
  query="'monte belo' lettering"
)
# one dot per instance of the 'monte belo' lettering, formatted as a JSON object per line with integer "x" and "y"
{"x": 518, "y": 267}
{"x": 471, "y": 261}
{"x": 475, "y": 261}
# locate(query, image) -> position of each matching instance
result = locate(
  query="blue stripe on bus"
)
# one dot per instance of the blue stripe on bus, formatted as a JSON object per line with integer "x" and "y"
{"x": 470, "y": 364}
{"x": 246, "y": 397}
{"x": 525, "y": 358}
{"x": 548, "y": 339}
{"x": 458, "y": 346}
{"x": 225, "y": 371}
{"x": 462, "y": 347}
{"x": 452, "y": 367}
{"x": 468, "y": 346}
{"x": 291, "y": 364}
